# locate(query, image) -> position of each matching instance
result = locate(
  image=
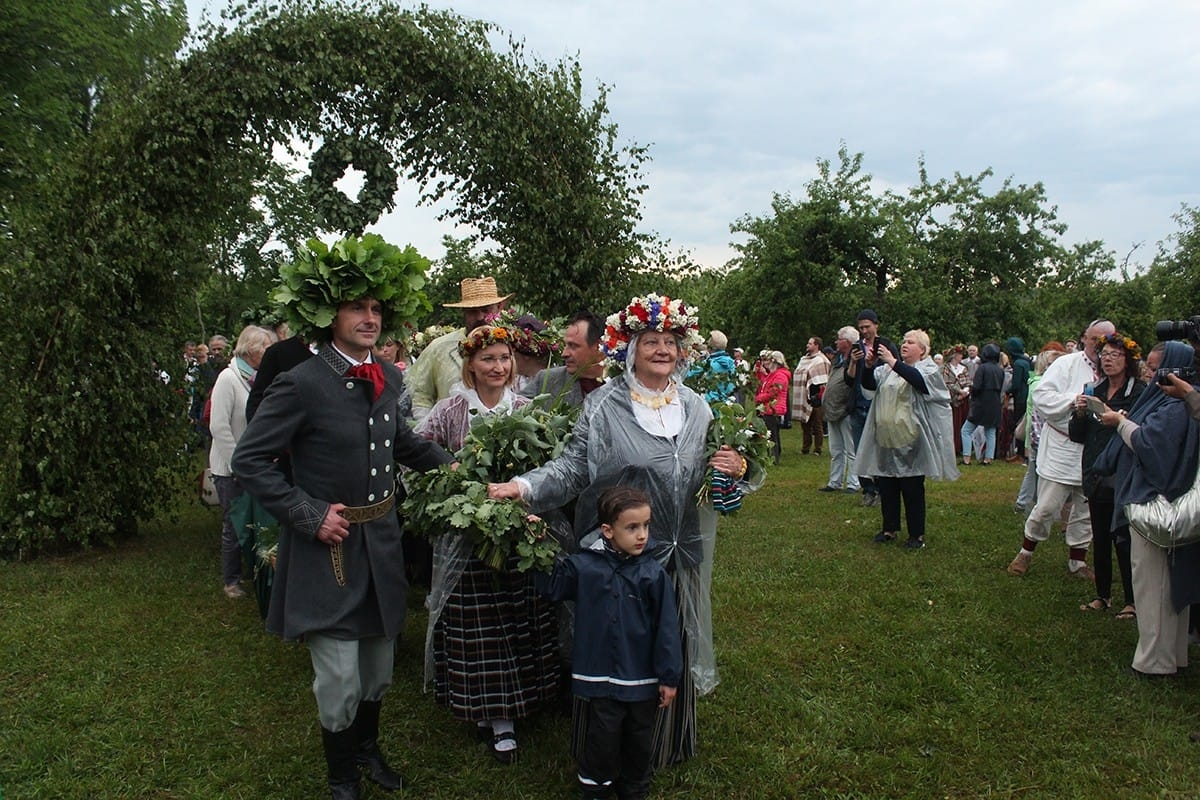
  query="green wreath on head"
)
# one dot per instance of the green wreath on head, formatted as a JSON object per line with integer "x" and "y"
{"x": 323, "y": 277}
{"x": 378, "y": 192}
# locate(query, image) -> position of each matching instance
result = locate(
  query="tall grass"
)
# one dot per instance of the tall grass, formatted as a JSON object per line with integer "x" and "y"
{"x": 849, "y": 669}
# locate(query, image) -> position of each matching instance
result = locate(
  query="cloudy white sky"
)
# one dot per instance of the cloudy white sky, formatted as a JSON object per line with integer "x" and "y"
{"x": 1099, "y": 100}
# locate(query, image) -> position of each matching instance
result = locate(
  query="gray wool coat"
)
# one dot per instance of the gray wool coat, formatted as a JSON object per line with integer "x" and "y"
{"x": 344, "y": 449}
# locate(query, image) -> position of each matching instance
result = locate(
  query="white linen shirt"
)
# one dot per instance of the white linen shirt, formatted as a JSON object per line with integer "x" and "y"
{"x": 1058, "y": 458}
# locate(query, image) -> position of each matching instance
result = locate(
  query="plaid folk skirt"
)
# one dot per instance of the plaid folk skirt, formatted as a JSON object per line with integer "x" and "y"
{"x": 495, "y": 646}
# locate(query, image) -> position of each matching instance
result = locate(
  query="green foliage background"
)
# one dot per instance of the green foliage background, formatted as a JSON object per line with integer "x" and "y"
{"x": 102, "y": 268}
{"x": 140, "y": 204}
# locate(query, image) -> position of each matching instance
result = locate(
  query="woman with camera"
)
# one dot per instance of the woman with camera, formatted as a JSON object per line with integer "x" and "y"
{"x": 1155, "y": 452}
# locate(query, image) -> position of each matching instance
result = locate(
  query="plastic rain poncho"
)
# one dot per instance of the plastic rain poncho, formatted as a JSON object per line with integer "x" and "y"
{"x": 883, "y": 452}
{"x": 608, "y": 447}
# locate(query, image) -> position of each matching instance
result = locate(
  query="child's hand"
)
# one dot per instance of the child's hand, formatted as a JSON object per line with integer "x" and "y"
{"x": 665, "y": 695}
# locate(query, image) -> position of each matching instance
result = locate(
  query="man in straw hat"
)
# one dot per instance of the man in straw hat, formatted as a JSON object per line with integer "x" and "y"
{"x": 432, "y": 376}
{"x": 339, "y": 574}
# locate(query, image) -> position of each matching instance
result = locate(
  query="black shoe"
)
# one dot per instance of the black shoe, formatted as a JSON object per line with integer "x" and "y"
{"x": 884, "y": 537}
{"x": 914, "y": 543}
{"x": 829, "y": 489}
{"x": 849, "y": 491}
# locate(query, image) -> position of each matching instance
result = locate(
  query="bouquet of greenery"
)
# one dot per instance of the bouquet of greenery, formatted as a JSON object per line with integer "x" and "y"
{"x": 498, "y": 448}
{"x": 739, "y": 426}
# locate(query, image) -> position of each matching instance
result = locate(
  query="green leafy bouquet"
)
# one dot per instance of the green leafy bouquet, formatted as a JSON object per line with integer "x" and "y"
{"x": 497, "y": 448}
{"x": 740, "y": 427}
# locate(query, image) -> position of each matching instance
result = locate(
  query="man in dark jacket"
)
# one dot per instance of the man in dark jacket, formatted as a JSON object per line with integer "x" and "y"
{"x": 865, "y": 357}
{"x": 339, "y": 579}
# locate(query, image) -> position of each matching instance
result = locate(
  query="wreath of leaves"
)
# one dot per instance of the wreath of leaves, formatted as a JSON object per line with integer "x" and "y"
{"x": 378, "y": 192}
{"x": 321, "y": 277}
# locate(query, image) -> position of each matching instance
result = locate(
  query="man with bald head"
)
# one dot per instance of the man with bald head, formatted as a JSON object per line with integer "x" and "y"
{"x": 1059, "y": 460}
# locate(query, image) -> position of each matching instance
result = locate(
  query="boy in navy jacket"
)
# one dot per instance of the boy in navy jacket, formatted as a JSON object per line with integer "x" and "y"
{"x": 626, "y": 660}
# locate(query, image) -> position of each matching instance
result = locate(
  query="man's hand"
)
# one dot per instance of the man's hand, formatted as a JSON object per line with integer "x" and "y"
{"x": 665, "y": 695}
{"x": 334, "y": 528}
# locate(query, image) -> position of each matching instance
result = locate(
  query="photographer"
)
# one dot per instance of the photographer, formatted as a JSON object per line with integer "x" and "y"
{"x": 1178, "y": 383}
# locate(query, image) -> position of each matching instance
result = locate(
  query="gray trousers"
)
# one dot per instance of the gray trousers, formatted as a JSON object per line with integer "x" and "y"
{"x": 346, "y": 672}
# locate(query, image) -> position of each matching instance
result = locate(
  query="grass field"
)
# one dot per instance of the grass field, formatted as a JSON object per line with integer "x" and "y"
{"x": 848, "y": 669}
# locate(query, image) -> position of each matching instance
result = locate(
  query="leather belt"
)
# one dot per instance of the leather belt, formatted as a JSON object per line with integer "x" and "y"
{"x": 359, "y": 514}
{"x": 356, "y": 515}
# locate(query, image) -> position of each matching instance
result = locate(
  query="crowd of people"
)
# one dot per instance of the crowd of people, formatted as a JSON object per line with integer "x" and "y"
{"x": 318, "y": 427}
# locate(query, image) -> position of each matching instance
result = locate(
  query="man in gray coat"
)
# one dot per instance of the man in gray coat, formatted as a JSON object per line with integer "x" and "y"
{"x": 582, "y": 363}
{"x": 339, "y": 576}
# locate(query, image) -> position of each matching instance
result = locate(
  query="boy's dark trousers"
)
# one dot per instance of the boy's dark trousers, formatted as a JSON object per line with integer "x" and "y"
{"x": 617, "y": 748}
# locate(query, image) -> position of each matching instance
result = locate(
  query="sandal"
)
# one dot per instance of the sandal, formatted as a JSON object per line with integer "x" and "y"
{"x": 1098, "y": 604}
{"x": 1128, "y": 612}
{"x": 508, "y": 756}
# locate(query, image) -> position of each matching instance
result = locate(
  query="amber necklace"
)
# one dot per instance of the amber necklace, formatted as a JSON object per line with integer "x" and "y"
{"x": 654, "y": 400}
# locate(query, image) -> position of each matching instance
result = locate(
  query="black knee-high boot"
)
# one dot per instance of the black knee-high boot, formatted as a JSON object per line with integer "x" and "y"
{"x": 369, "y": 757}
{"x": 340, "y": 751}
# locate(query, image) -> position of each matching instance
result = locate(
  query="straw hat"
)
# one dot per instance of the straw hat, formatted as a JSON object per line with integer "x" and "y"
{"x": 477, "y": 293}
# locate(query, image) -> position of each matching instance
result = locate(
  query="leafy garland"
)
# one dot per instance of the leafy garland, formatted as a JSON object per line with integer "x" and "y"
{"x": 378, "y": 192}
{"x": 497, "y": 448}
{"x": 322, "y": 277}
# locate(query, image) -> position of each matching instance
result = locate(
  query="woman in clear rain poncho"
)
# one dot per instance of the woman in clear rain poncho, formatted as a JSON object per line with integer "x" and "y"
{"x": 907, "y": 436}
{"x": 646, "y": 429}
{"x": 491, "y": 648}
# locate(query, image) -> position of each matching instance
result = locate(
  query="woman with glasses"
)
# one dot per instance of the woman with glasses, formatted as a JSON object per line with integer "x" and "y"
{"x": 492, "y": 644}
{"x": 1119, "y": 389}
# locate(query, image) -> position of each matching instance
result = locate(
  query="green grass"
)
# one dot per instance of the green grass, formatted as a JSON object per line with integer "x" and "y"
{"x": 848, "y": 669}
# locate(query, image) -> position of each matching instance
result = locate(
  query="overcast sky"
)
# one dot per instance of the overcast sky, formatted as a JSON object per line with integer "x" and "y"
{"x": 1099, "y": 100}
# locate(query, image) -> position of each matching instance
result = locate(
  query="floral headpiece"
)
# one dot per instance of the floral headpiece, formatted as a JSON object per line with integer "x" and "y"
{"x": 484, "y": 336}
{"x": 1131, "y": 348}
{"x": 530, "y": 335}
{"x": 650, "y": 313}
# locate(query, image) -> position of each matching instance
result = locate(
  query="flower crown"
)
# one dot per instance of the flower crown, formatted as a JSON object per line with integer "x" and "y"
{"x": 650, "y": 313}
{"x": 530, "y": 335}
{"x": 1131, "y": 348}
{"x": 484, "y": 336}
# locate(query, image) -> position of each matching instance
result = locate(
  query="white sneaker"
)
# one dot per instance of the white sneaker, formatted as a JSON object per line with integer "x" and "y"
{"x": 234, "y": 591}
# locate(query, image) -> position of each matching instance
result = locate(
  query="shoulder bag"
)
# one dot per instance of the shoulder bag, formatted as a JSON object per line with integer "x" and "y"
{"x": 1168, "y": 523}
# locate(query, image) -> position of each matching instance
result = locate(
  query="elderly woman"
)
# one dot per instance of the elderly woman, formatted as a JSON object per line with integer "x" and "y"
{"x": 491, "y": 645}
{"x": 1119, "y": 389}
{"x": 1155, "y": 453}
{"x": 229, "y": 394}
{"x": 648, "y": 430}
{"x": 907, "y": 436}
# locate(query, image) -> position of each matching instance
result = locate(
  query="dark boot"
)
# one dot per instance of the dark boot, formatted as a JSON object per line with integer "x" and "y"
{"x": 368, "y": 756}
{"x": 340, "y": 749}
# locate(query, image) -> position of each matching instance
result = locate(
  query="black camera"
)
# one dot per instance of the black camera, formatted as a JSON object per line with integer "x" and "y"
{"x": 1167, "y": 330}
{"x": 1185, "y": 374}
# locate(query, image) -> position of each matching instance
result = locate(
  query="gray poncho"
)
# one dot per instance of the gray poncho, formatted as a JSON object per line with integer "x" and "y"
{"x": 908, "y": 433}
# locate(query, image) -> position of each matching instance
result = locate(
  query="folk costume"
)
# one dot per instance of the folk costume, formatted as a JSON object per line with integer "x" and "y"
{"x": 491, "y": 647}
{"x": 632, "y": 435}
{"x": 339, "y": 421}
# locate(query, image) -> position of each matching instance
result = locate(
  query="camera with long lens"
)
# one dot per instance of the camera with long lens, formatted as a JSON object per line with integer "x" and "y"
{"x": 1185, "y": 374}
{"x": 1168, "y": 329}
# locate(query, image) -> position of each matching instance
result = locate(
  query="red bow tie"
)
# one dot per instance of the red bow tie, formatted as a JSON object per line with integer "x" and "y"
{"x": 372, "y": 372}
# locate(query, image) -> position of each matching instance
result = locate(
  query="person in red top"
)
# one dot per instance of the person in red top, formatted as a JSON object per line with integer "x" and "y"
{"x": 772, "y": 395}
